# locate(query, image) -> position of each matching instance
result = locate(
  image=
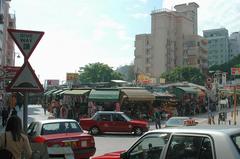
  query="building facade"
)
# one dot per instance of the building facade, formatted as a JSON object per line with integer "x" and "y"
{"x": 7, "y": 20}
{"x": 218, "y": 46}
{"x": 196, "y": 52}
{"x": 164, "y": 48}
{"x": 234, "y": 45}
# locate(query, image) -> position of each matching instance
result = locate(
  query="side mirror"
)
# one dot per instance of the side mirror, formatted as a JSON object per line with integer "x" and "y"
{"x": 123, "y": 155}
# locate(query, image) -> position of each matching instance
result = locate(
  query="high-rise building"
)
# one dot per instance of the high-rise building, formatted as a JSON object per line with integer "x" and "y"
{"x": 218, "y": 46}
{"x": 164, "y": 48}
{"x": 234, "y": 45}
{"x": 7, "y": 52}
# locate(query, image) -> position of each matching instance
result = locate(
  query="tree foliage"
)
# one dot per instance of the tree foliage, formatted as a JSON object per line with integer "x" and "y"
{"x": 97, "y": 72}
{"x": 180, "y": 74}
{"x": 127, "y": 71}
{"x": 226, "y": 67}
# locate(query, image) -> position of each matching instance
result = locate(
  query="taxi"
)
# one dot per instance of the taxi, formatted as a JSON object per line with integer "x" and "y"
{"x": 202, "y": 142}
{"x": 111, "y": 121}
{"x": 62, "y": 133}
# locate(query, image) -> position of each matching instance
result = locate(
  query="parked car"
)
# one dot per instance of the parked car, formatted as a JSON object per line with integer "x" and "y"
{"x": 202, "y": 142}
{"x": 111, "y": 121}
{"x": 61, "y": 133}
{"x": 180, "y": 121}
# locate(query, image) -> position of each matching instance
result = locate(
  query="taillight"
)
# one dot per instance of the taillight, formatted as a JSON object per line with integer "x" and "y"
{"x": 92, "y": 141}
{"x": 39, "y": 139}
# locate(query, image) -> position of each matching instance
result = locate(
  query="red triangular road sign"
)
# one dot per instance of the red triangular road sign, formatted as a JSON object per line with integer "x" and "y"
{"x": 26, "y": 40}
{"x": 25, "y": 80}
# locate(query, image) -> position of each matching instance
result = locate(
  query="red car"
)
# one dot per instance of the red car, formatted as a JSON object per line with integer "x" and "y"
{"x": 111, "y": 121}
{"x": 62, "y": 133}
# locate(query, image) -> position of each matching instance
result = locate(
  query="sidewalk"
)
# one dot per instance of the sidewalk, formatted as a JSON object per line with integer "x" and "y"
{"x": 203, "y": 118}
{"x": 35, "y": 112}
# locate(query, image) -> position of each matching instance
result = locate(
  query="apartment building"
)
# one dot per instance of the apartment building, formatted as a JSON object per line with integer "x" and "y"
{"x": 164, "y": 48}
{"x": 7, "y": 53}
{"x": 218, "y": 46}
{"x": 196, "y": 52}
{"x": 234, "y": 45}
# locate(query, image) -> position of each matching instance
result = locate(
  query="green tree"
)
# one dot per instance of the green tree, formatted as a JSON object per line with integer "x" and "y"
{"x": 180, "y": 74}
{"x": 97, "y": 72}
{"x": 226, "y": 67}
{"x": 127, "y": 71}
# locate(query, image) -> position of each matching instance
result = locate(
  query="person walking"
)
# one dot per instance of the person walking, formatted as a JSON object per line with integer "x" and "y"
{"x": 14, "y": 112}
{"x": 16, "y": 141}
{"x": 4, "y": 116}
{"x": 157, "y": 119}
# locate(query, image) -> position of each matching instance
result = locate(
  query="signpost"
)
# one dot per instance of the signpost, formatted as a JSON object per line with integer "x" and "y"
{"x": 25, "y": 80}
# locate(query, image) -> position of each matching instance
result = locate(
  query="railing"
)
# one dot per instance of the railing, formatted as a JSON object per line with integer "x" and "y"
{"x": 161, "y": 10}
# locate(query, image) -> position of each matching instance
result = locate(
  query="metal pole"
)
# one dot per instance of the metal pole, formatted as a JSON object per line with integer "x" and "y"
{"x": 25, "y": 112}
{"x": 235, "y": 106}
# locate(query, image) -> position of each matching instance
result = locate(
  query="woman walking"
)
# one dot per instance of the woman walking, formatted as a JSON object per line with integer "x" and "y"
{"x": 16, "y": 141}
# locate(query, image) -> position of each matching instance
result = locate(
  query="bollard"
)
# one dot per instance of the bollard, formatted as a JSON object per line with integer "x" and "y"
{"x": 229, "y": 122}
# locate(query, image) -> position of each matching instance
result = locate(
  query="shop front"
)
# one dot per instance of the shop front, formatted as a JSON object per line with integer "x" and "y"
{"x": 75, "y": 101}
{"x": 137, "y": 103}
{"x": 103, "y": 99}
{"x": 188, "y": 100}
{"x": 166, "y": 102}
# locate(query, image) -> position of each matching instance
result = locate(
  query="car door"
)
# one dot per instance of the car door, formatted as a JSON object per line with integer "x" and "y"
{"x": 120, "y": 124}
{"x": 150, "y": 146}
{"x": 189, "y": 146}
{"x": 105, "y": 122}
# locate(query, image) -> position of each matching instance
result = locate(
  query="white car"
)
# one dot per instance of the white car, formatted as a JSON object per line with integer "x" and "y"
{"x": 198, "y": 142}
{"x": 180, "y": 121}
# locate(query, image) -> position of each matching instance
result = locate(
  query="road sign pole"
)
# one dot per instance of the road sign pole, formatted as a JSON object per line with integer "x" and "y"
{"x": 235, "y": 106}
{"x": 25, "y": 112}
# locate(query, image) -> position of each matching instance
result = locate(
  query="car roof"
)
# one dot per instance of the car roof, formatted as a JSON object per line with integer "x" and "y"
{"x": 203, "y": 129}
{"x": 109, "y": 112}
{"x": 55, "y": 121}
{"x": 180, "y": 117}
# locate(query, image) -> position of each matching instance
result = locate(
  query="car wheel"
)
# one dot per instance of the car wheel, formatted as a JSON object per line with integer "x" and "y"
{"x": 138, "y": 131}
{"x": 94, "y": 130}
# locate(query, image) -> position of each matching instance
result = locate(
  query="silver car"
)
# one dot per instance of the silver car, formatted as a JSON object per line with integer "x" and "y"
{"x": 199, "y": 142}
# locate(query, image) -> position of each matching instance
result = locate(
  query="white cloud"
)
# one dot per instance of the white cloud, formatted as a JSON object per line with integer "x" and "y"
{"x": 106, "y": 25}
{"x": 214, "y": 14}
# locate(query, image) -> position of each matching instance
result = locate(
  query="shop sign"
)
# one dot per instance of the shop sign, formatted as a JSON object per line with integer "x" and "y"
{"x": 72, "y": 76}
{"x": 235, "y": 71}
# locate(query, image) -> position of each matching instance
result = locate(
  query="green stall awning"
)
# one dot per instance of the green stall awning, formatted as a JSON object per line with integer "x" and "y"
{"x": 75, "y": 92}
{"x": 191, "y": 90}
{"x": 57, "y": 92}
{"x": 138, "y": 95}
{"x": 104, "y": 95}
{"x": 49, "y": 92}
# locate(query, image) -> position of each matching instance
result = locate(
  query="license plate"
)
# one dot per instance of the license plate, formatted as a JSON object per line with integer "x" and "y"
{"x": 83, "y": 143}
{"x": 72, "y": 144}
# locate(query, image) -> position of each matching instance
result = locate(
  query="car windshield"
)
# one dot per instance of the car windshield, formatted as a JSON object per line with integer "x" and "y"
{"x": 176, "y": 121}
{"x": 236, "y": 141}
{"x": 60, "y": 127}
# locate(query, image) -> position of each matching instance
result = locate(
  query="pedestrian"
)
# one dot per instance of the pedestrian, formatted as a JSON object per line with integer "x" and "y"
{"x": 14, "y": 112}
{"x": 4, "y": 116}
{"x": 16, "y": 141}
{"x": 210, "y": 117}
{"x": 157, "y": 119}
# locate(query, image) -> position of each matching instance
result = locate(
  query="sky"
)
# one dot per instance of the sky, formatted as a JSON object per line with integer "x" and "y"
{"x": 80, "y": 32}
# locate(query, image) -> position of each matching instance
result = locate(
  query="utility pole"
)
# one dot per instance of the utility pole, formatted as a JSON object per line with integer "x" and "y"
{"x": 235, "y": 106}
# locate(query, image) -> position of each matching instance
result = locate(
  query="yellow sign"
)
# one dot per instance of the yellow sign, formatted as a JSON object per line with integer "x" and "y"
{"x": 72, "y": 76}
